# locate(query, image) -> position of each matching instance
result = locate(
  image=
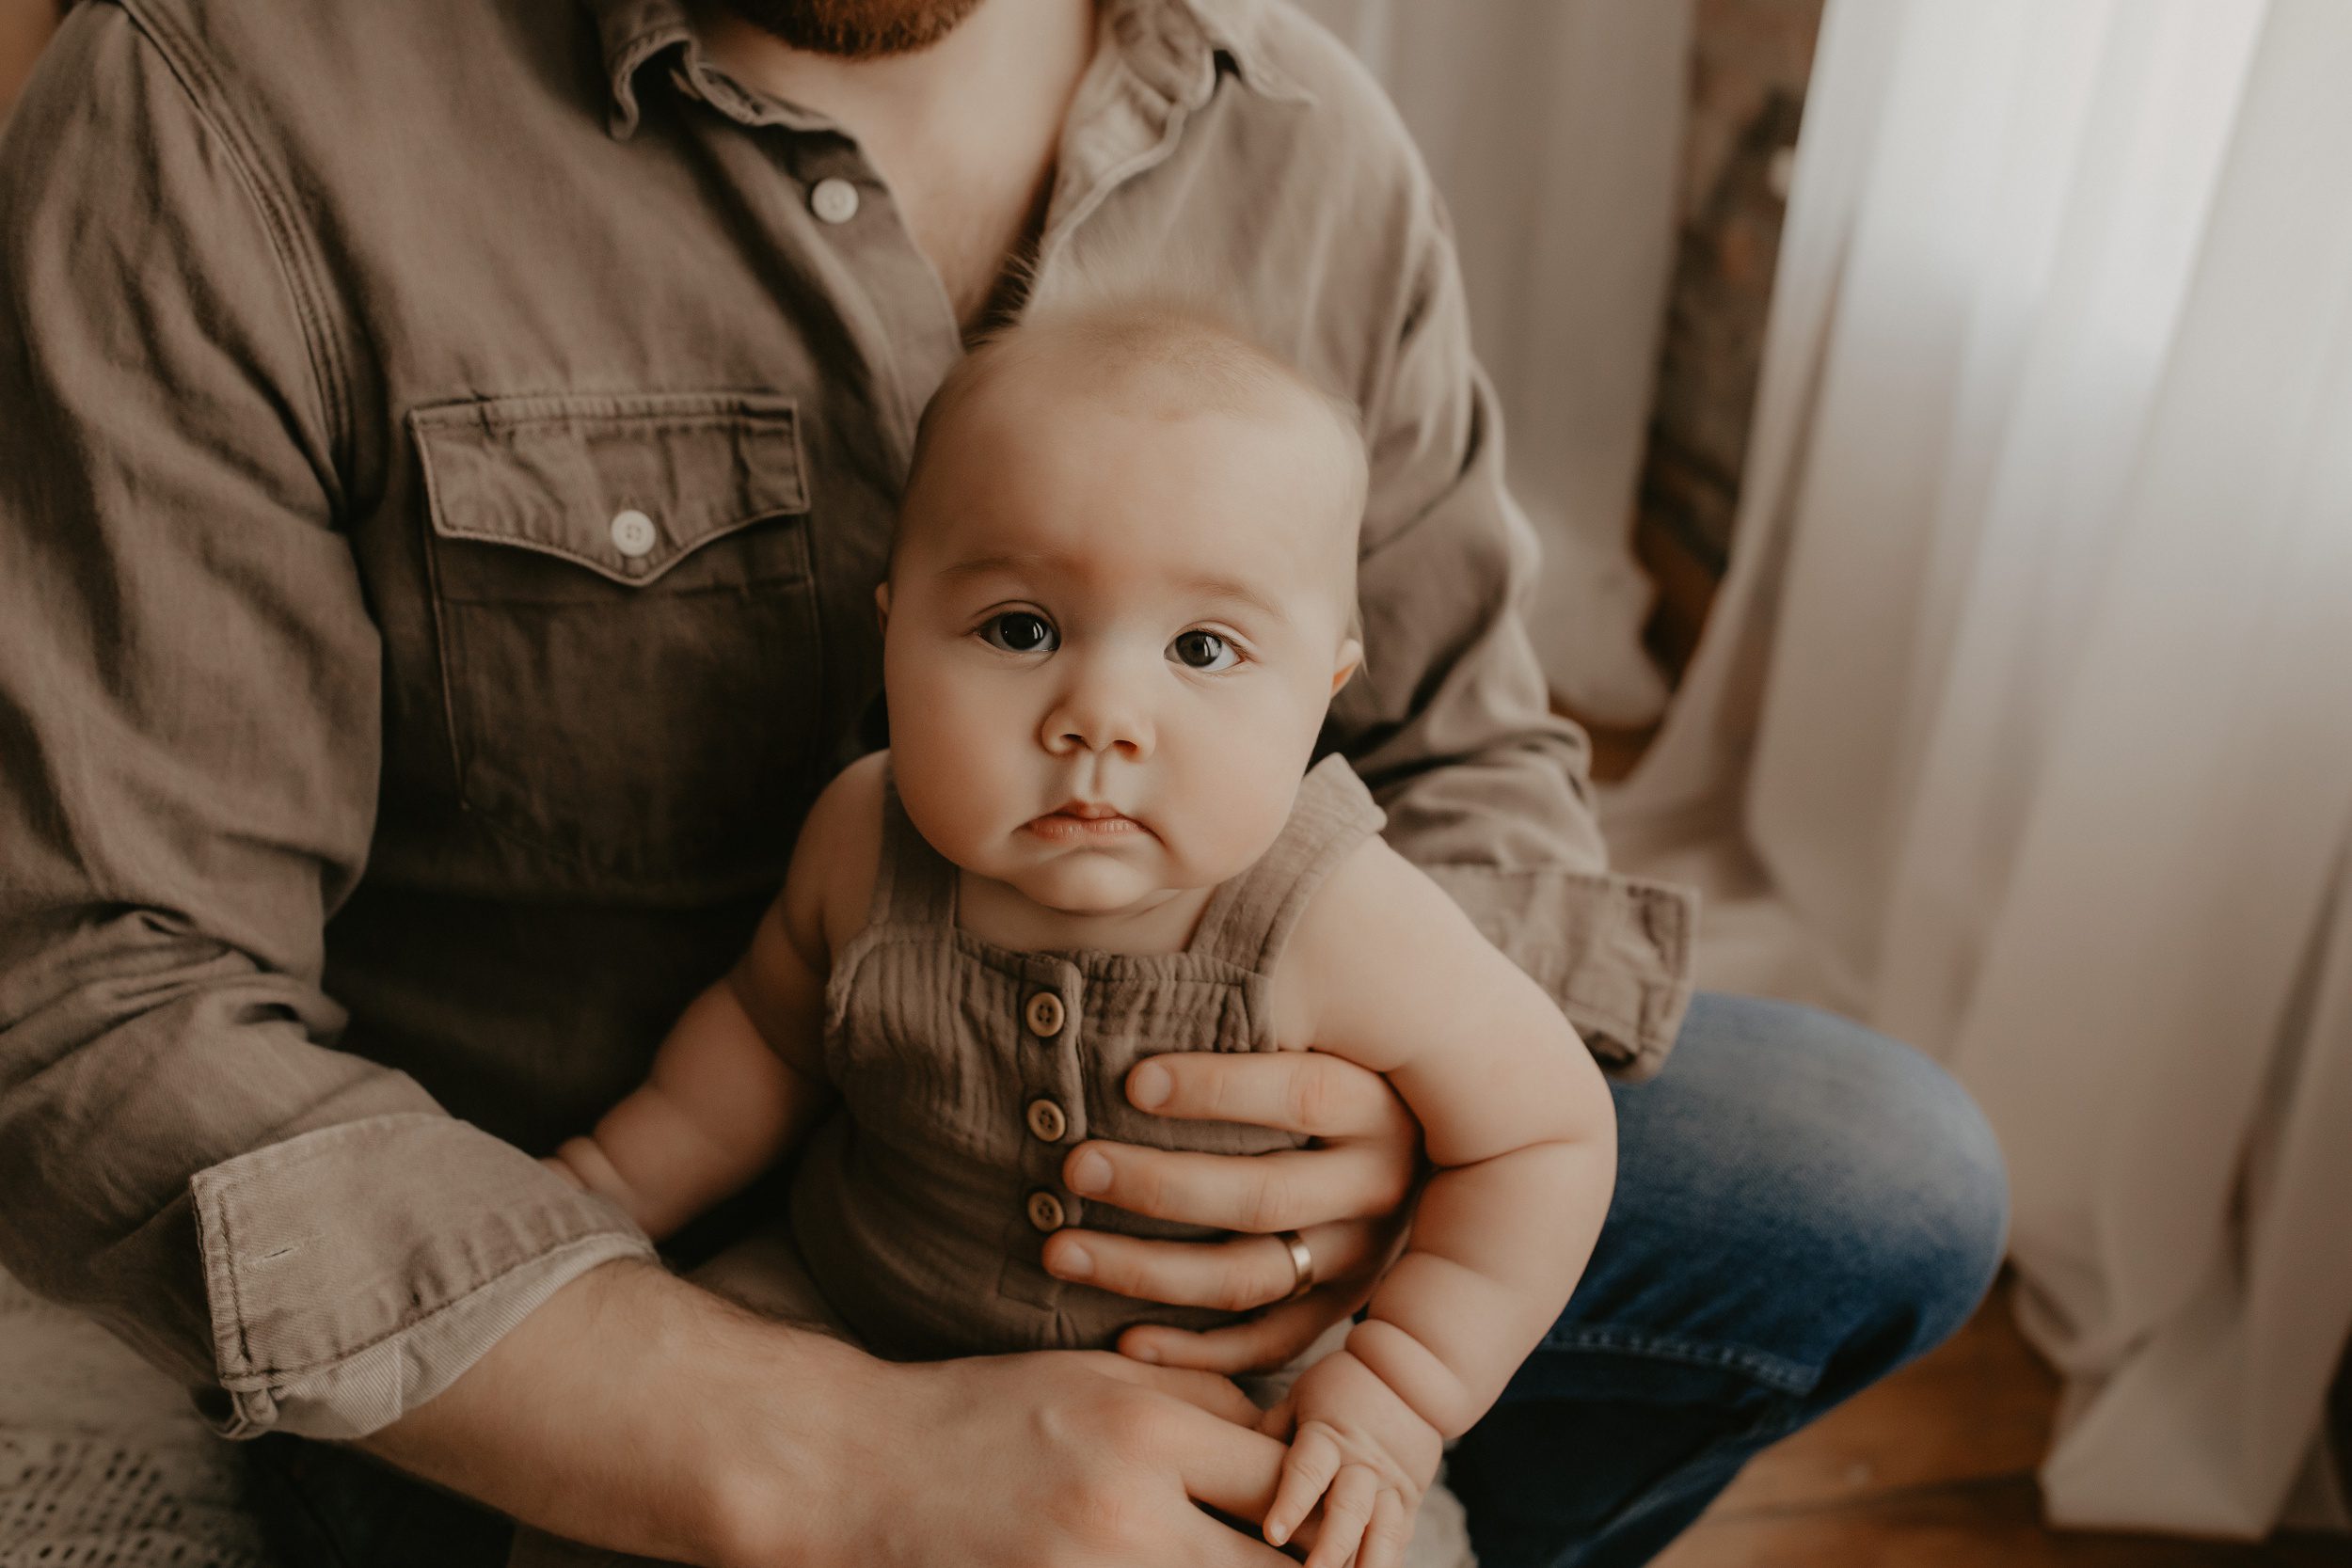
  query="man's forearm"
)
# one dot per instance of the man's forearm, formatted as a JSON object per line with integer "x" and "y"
{"x": 614, "y": 1415}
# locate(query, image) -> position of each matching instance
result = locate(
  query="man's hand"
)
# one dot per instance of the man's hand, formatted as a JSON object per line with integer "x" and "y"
{"x": 638, "y": 1412}
{"x": 1058, "y": 1458}
{"x": 1346, "y": 1195}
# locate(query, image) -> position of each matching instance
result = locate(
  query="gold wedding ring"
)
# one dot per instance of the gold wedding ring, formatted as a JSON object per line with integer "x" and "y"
{"x": 1302, "y": 1263}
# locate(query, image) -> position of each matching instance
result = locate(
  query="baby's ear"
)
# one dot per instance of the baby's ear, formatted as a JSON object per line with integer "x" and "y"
{"x": 1350, "y": 660}
{"x": 882, "y": 604}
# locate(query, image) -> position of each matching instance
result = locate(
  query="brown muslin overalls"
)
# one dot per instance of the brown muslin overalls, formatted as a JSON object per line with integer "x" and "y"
{"x": 967, "y": 1071}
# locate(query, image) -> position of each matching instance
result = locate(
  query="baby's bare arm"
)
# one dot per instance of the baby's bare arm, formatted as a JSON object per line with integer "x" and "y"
{"x": 718, "y": 1106}
{"x": 1514, "y": 1114}
{"x": 738, "y": 1078}
{"x": 1387, "y": 970}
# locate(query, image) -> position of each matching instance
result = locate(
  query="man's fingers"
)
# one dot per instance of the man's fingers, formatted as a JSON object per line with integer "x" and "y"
{"x": 1212, "y": 1545}
{"x": 1262, "y": 1194}
{"x": 1233, "y": 1276}
{"x": 1298, "y": 1091}
{"x": 1272, "y": 1338}
{"x": 1230, "y": 1467}
{"x": 1202, "y": 1390}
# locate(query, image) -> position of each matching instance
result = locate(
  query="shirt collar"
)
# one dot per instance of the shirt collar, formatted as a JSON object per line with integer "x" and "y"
{"x": 1177, "y": 47}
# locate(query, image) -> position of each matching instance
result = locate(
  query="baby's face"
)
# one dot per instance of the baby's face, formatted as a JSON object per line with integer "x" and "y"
{"x": 1110, "y": 638}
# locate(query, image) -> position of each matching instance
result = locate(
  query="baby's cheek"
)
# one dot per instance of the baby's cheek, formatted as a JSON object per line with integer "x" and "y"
{"x": 951, "y": 809}
{"x": 1243, "y": 811}
{"x": 950, "y": 780}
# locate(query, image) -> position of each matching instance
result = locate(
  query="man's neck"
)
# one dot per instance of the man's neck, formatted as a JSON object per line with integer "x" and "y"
{"x": 964, "y": 131}
{"x": 1023, "y": 47}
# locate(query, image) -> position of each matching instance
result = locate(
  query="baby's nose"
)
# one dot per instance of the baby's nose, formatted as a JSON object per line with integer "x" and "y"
{"x": 1099, "y": 716}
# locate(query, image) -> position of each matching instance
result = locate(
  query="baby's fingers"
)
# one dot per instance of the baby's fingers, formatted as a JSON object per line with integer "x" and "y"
{"x": 1312, "y": 1461}
{"x": 1389, "y": 1533}
{"x": 1352, "y": 1505}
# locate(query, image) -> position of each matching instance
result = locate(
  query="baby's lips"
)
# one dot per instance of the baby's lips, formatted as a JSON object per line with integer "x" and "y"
{"x": 1061, "y": 826}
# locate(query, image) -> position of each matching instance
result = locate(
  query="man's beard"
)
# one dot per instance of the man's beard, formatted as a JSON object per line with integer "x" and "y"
{"x": 855, "y": 29}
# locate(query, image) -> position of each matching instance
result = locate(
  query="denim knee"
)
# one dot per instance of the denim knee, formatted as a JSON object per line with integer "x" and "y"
{"x": 1924, "y": 1213}
{"x": 1802, "y": 1206}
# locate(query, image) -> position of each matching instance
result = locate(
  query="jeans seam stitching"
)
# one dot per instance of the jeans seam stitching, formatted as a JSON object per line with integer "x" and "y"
{"x": 1777, "y": 1372}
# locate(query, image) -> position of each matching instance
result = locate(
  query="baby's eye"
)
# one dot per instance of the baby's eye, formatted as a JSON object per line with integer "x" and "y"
{"x": 1202, "y": 650}
{"x": 1021, "y": 631}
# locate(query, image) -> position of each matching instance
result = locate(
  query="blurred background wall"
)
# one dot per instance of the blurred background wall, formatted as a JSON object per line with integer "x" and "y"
{"x": 1554, "y": 130}
{"x": 1749, "y": 64}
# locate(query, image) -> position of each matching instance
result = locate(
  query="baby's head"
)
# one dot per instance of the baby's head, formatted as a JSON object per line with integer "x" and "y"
{"x": 1121, "y": 598}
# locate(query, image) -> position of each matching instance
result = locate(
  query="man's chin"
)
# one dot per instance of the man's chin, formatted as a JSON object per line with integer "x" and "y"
{"x": 855, "y": 29}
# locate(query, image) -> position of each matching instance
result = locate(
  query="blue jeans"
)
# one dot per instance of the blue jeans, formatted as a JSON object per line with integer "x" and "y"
{"x": 1801, "y": 1207}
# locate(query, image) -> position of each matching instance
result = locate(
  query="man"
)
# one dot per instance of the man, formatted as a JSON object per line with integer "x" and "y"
{"x": 432, "y": 430}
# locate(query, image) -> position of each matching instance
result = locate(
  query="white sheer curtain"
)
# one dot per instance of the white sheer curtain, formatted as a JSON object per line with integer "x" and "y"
{"x": 2024, "y": 726}
{"x": 1552, "y": 128}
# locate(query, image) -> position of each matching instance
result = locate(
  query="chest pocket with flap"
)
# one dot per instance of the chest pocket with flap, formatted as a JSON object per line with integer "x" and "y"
{"x": 627, "y": 628}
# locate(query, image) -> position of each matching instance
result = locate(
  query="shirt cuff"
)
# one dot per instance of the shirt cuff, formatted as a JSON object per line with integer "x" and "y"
{"x": 354, "y": 1272}
{"x": 1613, "y": 952}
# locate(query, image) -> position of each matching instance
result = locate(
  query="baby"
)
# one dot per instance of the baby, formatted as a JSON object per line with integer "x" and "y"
{"x": 1120, "y": 600}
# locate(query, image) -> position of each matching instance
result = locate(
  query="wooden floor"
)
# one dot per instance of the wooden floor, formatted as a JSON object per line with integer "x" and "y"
{"x": 1935, "y": 1469}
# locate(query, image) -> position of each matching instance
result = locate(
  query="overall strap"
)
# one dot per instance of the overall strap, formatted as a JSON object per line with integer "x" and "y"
{"x": 914, "y": 883}
{"x": 1251, "y": 917}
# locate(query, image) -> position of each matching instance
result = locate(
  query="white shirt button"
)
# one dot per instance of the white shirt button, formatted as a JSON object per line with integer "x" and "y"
{"x": 833, "y": 200}
{"x": 633, "y": 534}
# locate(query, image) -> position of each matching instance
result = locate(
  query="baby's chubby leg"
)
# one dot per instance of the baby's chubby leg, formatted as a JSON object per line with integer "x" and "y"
{"x": 762, "y": 1272}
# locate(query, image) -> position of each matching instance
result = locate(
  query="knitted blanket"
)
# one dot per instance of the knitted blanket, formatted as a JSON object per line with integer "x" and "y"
{"x": 102, "y": 1462}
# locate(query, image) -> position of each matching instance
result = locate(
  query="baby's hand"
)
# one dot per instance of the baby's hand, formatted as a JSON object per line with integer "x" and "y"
{"x": 1363, "y": 1452}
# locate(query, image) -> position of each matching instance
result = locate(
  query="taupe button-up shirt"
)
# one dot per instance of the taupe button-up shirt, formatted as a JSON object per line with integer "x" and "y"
{"x": 446, "y": 452}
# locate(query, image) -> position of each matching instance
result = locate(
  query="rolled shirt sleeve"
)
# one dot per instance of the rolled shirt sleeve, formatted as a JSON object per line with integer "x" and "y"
{"x": 189, "y": 690}
{"x": 1451, "y": 723}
